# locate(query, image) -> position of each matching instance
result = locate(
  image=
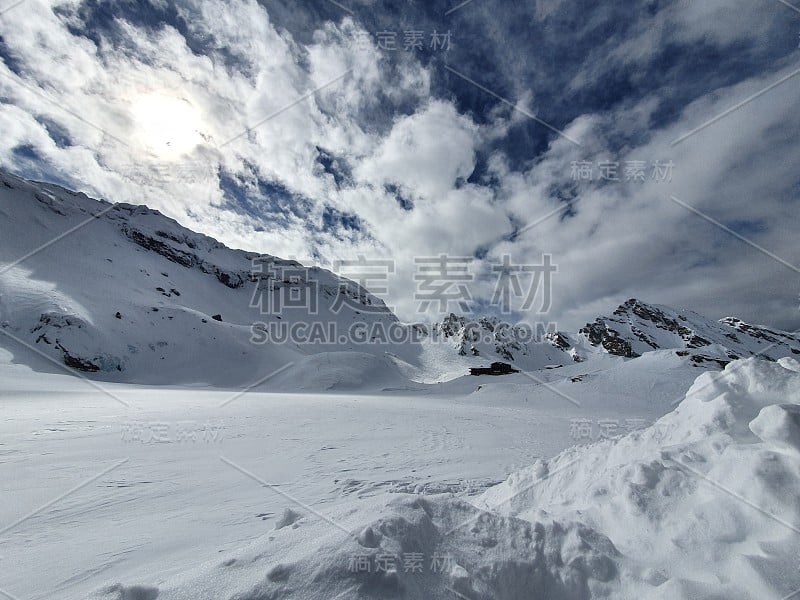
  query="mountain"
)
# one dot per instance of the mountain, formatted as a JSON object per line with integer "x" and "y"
{"x": 122, "y": 293}
{"x": 127, "y": 294}
{"x": 492, "y": 337}
{"x": 636, "y": 327}
{"x": 130, "y": 295}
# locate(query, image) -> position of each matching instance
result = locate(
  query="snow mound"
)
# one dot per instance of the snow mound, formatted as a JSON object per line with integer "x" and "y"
{"x": 289, "y": 517}
{"x": 340, "y": 372}
{"x": 702, "y": 504}
{"x": 779, "y": 424}
{"x": 414, "y": 548}
{"x": 135, "y": 592}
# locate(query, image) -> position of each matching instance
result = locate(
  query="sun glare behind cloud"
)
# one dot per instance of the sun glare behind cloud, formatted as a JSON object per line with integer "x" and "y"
{"x": 166, "y": 126}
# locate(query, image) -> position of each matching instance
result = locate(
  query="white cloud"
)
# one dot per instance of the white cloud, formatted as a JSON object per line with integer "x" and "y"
{"x": 426, "y": 152}
{"x": 622, "y": 240}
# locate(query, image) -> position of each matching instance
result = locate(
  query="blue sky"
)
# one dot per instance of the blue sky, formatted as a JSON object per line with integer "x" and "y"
{"x": 325, "y": 130}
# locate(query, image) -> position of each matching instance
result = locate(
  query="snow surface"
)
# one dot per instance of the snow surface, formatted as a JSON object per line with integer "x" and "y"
{"x": 703, "y": 503}
{"x": 174, "y": 504}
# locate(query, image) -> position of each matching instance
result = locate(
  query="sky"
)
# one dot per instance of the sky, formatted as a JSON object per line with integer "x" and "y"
{"x": 645, "y": 148}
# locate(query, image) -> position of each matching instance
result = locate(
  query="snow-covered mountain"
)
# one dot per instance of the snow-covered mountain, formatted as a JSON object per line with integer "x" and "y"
{"x": 491, "y": 337}
{"x": 130, "y": 295}
{"x": 127, "y": 294}
{"x": 636, "y": 327}
{"x": 123, "y": 293}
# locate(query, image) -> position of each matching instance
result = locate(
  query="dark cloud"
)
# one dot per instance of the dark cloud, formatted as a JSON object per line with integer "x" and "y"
{"x": 404, "y": 199}
{"x": 270, "y": 202}
{"x": 333, "y": 220}
{"x": 335, "y": 166}
{"x": 56, "y": 131}
{"x": 10, "y": 58}
{"x": 101, "y": 21}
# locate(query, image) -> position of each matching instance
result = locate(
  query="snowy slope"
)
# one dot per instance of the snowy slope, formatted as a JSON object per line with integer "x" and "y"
{"x": 175, "y": 505}
{"x": 133, "y": 296}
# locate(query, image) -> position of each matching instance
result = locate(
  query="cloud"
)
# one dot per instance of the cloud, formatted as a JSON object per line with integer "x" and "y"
{"x": 427, "y": 152}
{"x": 631, "y": 239}
{"x": 316, "y": 144}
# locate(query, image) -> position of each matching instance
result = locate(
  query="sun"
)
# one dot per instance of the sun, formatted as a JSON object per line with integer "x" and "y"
{"x": 166, "y": 126}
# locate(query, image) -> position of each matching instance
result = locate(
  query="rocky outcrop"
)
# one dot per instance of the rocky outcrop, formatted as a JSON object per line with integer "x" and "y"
{"x": 600, "y": 333}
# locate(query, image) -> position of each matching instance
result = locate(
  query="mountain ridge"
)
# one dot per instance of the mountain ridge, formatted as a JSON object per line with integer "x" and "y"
{"x": 132, "y": 295}
{"x": 636, "y": 327}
